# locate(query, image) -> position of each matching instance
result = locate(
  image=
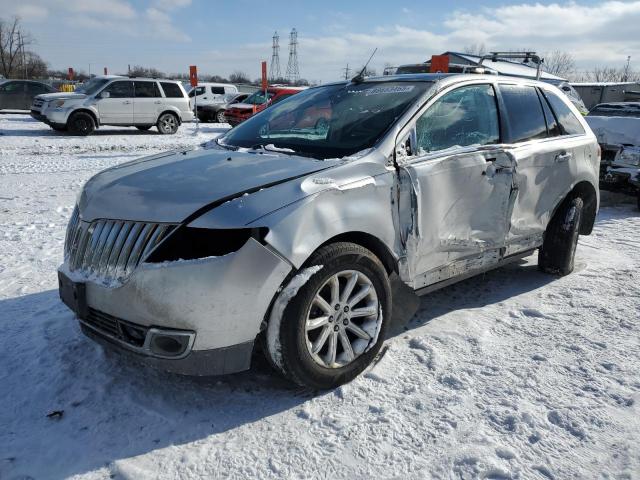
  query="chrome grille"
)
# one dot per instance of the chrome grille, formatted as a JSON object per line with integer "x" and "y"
{"x": 110, "y": 249}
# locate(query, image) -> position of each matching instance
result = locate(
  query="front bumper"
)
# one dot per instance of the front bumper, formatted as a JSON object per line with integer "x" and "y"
{"x": 222, "y": 300}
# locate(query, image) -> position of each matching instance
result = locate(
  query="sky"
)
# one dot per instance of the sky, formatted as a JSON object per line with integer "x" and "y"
{"x": 221, "y": 37}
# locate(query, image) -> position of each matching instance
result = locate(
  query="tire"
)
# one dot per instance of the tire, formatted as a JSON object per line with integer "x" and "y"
{"x": 220, "y": 117}
{"x": 81, "y": 123}
{"x": 318, "y": 357}
{"x": 556, "y": 256}
{"x": 143, "y": 128}
{"x": 168, "y": 124}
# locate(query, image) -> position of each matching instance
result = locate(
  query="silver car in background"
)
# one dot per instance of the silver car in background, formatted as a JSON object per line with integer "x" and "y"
{"x": 116, "y": 100}
{"x": 284, "y": 234}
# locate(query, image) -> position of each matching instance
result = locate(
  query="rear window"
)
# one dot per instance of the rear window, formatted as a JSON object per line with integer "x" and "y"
{"x": 568, "y": 121}
{"x": 146, "y": 90}
{"x": 171, "y": 90}
{"x": 217, "y": 90}
{"x": 524, "y": 112}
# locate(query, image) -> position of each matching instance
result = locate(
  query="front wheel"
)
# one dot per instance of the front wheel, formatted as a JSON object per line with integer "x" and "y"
{"x": 220, "y": 117}
{"x": 334, "y": 326}
{"x": 561, "y": 238}
{"x": 81, "y": 123}
{"x": 168, "y": 124}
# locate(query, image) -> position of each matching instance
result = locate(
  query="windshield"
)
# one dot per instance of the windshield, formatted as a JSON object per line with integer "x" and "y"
{"x": 258, "y": 98}
{"x": 329, "y": 122}
{"x": 613, "y": 110}
{"x": 92, "y": 86}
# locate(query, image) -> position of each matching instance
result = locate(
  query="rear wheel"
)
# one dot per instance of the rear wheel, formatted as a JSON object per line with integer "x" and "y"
{"x": 334, "y": 326}
{"x": 220, "y": 117}
{"x": 561, "y": 238}
{"x": 168, "y": 124}
{"x": 81, "y": 123}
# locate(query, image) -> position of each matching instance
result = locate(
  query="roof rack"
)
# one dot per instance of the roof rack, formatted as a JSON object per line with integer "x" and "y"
{"x": 525, "y": 56}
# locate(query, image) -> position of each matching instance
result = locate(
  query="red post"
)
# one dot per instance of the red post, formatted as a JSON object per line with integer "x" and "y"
{"x": 105, "y": 71}
{"x": 264, "y": 75}
{"x": 71, "y": 73}
{"x": 193, "y": 75}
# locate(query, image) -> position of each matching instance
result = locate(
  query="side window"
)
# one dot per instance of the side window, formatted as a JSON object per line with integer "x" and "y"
{"x": 12, "y": 87}
{"x": 217, "y": 90}
{"x": 121, "y": 89}
{"x": 524, "y": 111}
{"x": 463, "y": 117}
{"x": 36, "y": 88}
{"x": 553, "y": 128}
{"x": 171, "y": 90}
{"x": 146, "y": 90}
{"x": 568, "y": 121}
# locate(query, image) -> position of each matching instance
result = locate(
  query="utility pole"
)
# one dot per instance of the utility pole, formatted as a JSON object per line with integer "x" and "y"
{"x": 24, "y": 57}
{"x": 626, "y": 69}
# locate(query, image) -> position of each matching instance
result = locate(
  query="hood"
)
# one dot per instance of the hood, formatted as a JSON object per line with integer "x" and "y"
{"x": 49, "y": 97}
{"x": 171, "y": 187}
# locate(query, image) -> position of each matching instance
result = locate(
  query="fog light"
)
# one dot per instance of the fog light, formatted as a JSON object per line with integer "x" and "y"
{"x": 169, "y": 344}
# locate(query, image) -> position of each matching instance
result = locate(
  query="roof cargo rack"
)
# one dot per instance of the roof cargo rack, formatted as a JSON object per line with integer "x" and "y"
{"x": 525, "y": 56}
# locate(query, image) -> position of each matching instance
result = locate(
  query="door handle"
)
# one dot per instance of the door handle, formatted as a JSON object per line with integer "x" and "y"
{"x": 563, "y": 157}
{"x": 126, "y": 102}
{"x": 157, "y": 102}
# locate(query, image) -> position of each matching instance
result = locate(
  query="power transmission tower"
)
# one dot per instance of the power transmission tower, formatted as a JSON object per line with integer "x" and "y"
{"x": 293, "y": 73}
{"x": 347, "y": 72}
{"x": 275, "y": 58}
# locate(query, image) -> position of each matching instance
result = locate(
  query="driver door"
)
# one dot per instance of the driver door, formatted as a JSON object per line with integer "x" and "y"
{"x": 457, "y": 184}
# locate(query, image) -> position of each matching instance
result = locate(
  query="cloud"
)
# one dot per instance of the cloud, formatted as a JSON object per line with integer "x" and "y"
{"x": 168, "y": 5}
{"x": 34, "y": 13}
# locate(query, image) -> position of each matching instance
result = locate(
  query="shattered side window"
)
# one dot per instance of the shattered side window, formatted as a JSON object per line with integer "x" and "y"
{"x": 466, "y": 116}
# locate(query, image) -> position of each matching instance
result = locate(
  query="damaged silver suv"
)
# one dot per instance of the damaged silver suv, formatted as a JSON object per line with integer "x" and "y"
{"x": 284, "y": 231}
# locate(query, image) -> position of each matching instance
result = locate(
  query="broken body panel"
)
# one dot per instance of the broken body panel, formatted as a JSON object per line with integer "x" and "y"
{"x": 432, "y": 217}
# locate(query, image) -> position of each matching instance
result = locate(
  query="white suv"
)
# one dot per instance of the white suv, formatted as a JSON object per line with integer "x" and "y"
{"x": 115, "y": 100}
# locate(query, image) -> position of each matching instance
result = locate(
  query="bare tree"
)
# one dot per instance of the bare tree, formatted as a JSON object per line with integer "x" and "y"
{"x": 140, "y": 71}
{"x": 478, "y": 49}
{"x": 12, "y": 47}
{"x": 559, "y": 63}
{"x": 34, "y": 65}
{"x": 239, "y": 77}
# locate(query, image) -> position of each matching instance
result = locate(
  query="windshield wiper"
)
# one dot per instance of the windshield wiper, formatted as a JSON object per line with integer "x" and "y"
{"x": 225, "y": 146}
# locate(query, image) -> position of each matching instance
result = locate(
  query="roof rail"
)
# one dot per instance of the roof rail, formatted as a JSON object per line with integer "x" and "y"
{"x": 526, "y": 56}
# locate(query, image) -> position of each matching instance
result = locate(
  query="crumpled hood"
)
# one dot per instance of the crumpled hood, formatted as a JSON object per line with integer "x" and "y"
{"x": 171, "y": 187}
{"x": 49, "y": 97}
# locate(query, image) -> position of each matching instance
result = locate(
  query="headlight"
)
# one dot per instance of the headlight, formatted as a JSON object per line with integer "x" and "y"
{"x": 629, "y": 156}
{"x": 58, "y": 103}
{"x": 188, "y": 243}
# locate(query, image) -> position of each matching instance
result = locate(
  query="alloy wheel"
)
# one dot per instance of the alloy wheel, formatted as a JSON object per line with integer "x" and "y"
{"x": 343, "y": 319}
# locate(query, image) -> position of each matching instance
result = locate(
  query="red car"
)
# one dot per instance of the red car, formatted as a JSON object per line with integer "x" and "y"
{"x": 257, "y": 102}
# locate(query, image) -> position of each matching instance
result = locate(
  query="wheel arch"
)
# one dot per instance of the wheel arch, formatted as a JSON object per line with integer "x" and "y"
{"x": 173, "y": 112}
{"x": 370, "y": 242}
{"x": 585, "y": 190}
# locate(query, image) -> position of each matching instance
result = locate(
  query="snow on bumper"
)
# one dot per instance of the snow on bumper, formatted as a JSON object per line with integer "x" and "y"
{"x": 223, "y": 300}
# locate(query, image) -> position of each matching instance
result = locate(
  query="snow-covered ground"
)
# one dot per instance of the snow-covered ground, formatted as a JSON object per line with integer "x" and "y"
{"x": 514, "y": 374}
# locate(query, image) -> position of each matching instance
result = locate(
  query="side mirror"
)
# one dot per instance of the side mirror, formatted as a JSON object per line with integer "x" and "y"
{"x": 105, "y": 95}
